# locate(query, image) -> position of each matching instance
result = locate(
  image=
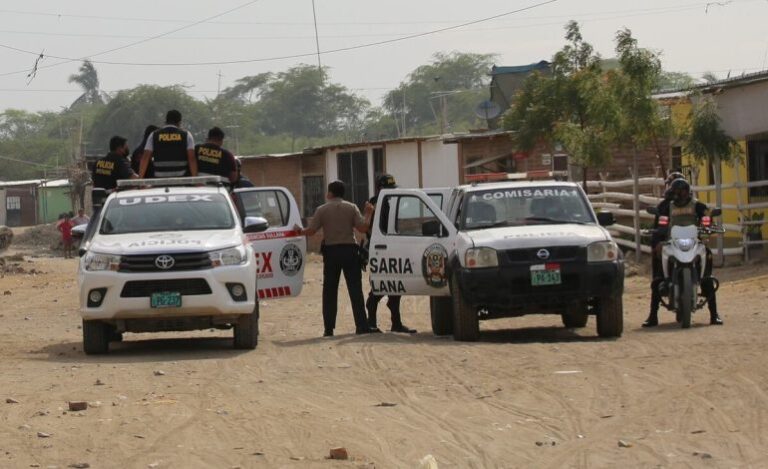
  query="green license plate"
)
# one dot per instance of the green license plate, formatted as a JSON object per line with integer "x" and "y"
{"x": 545, "y": 274}
{"x": 165, "y": 299}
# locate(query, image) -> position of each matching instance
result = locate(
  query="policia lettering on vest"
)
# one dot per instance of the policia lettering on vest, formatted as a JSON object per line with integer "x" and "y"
{"x": 170, "y": 149}
{"x": 214, "y": 160}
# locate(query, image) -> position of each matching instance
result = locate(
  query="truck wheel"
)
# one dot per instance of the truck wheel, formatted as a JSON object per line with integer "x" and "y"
{"x": 686, "y": 298}
{"x": 440, "y": 308}
{"x": 575, "y": 319}
{"x": 610, "y": 317}
{"x": 247, "y": 330}
{"x": 466, "y": 324}
{"x": 95, "y": 337}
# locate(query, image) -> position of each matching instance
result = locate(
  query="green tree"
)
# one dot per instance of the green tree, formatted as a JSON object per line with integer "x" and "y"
{"x": 245, "y": 88}
{"x": 88, "y": 80}
{"x": 674, "y": 81}
{"x": 33, "y": 144}
{"x": 130, "y": 111}
{"x": 447, "y": 89}
{"x": 572, "y": 105}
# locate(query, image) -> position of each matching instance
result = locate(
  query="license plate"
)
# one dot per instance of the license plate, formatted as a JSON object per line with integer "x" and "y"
{"x": 545, "y": 274}
{"x": 166, "y": 299}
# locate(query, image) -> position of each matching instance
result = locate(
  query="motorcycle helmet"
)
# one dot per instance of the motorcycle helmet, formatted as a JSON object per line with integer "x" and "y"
{"x": 680, "y": 191}
{"x": 673, "y": 176}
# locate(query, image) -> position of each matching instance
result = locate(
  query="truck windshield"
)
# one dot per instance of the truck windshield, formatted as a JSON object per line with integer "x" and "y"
{"x": 517, "y": 206}
{"x": 167, "y": 212}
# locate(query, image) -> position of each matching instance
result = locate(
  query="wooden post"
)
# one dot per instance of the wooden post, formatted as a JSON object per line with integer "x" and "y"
{"x": 636, "y": 203}
{"x": 719, "y": 204}
{"x": 740, "y": 210}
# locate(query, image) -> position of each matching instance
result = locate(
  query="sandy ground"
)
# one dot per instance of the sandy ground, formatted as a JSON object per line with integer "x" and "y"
{"x": 529, "y": 394}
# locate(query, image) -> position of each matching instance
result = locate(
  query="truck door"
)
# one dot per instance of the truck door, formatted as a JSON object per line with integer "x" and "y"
{"x": 439, "y": 196}
{"x": 281, "y": 252}
{"x": 410, "y": 244}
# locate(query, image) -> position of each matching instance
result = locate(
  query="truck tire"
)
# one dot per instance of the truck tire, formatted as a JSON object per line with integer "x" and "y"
{"x": 686, "y": 298}
{"x": 95, "y": 337}
{"x": 440, "y": 309}
{"x": 466, "y": 324}
{"x": 610, "y": 317}
{"x": 575, "y": 319}
{"x": 246, "y": 330}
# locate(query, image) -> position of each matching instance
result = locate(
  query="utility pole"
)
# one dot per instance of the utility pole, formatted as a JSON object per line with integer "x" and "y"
{"x": 218, "y": 87}
{"x": 405, "y": 132}
{"x": 317, "y": 39}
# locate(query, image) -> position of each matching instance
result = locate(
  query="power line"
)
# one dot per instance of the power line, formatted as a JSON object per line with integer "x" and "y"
{"x": 293, "y": 56}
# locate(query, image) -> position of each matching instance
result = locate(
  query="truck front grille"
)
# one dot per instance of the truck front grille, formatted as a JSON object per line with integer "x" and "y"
{"x": 185, "y": 286}
{"x": 181, "y": 262}
{"x": 556, "y": 254}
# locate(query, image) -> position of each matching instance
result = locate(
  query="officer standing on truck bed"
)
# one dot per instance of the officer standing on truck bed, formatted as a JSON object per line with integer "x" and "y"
{"x": 114, "y": 166}
{"x": 171, "y": 149}
{"x": 384, "y": 181}
{"x": 214, "y": 160}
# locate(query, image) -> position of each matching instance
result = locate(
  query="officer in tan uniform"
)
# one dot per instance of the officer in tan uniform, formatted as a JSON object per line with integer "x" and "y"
{"x": 338, "y": 219}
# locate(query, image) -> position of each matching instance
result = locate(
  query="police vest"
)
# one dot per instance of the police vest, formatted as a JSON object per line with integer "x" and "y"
{"x": 105, "y": 172}
{"x": 683, "y": 216}
{"x": 213, "y": 160}
{"x": 169, "y": 152}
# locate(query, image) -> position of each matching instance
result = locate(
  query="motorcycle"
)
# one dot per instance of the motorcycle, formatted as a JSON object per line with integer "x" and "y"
{"x": 684, "y": 260}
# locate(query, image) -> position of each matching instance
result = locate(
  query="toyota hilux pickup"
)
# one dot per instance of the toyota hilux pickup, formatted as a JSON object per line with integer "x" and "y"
{"x": 182, "y": 255}
{"x": 497, "y": 250}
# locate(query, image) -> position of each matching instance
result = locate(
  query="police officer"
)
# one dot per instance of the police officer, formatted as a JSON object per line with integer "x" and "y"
{"x": 114, "y": 166}
{"x": 338, "y": 219}
{"x": 683, "y": 209}
{"x": 214, "y": 160}
{"x": 138, "y": 153}
{"x": 240, "y": 180}
{"x": 171, "y": 149}
{"x": 384, "y": 181}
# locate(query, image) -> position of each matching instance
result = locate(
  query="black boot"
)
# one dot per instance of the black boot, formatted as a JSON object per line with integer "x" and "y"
{"x": 708, "y": 289}
{"x": 393, "y": 303}
{"x": 371, "y": 305}
{"x": 653, "y": 320}
{"x": 653, "y": 316}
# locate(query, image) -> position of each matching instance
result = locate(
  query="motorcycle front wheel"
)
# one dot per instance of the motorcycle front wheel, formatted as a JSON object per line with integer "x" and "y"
{"x": 687, "y": 298}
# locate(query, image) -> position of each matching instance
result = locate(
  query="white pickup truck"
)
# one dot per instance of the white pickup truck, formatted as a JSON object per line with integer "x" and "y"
{"x": 180, "y": 256}
{"x": 499, "y": 250}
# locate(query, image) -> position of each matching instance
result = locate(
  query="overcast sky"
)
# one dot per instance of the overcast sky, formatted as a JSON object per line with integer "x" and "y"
{"x": 693, "y": 37}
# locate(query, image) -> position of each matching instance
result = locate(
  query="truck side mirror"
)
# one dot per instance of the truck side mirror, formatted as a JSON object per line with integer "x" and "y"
{"x": 432, "y": 228}
{"x": 716, "y": 212}
{"x": 255, "y": 225}
{"x": 605, "y": 218}
{"x": 652, "y": 210}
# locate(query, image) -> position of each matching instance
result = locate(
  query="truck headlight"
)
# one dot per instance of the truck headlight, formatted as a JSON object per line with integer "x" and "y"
{"x": 230, "y": 256}
{"x": 685, "y": 244}
{"x": 602, "y": 251}
{"x": 95, "y": 262}
{"x": 476, "y": 258}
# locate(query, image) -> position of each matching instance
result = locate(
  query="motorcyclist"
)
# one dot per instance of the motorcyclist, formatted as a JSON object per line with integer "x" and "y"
{"x": 681, "y": 209}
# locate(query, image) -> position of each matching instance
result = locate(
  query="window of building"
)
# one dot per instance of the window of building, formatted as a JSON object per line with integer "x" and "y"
{"x": 353, "y": 171}
{"x": 757, "y": 167}
{"x": 13, "y": 202}
{"x": 378, "y": 161}
{"x": 313, "y": 194}
{"x": 559, "y": 162}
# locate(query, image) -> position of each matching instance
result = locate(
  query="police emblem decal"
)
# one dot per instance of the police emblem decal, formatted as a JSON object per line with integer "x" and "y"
{"x": 433, "y": 266}
{"x": 291, "y": 260}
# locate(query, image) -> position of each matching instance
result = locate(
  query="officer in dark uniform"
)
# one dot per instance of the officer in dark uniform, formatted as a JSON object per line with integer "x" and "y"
{"x": 241, "y": 180}
{"x": 138, "y": 154}
{"x": 171, "y": 149}
{"x": 682, "y": 209}
{"x": 384, "y": 181}
{"x": 214, "y": 160}
{"x": 108, "y": 170}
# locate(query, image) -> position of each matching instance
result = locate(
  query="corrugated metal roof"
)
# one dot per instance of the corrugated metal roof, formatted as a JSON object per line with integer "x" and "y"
{"x": 542, "y": 65}
{"x": 741, "y": 80}
{"x": 36, "y": 182}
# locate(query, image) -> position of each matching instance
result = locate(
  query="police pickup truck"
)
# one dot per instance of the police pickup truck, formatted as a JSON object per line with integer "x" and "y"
{"x": 499, "y": 250}
{"x": 185, "y": 254}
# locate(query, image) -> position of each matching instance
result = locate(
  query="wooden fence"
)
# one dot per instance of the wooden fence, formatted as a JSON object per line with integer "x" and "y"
{"x": 612, "y": 199}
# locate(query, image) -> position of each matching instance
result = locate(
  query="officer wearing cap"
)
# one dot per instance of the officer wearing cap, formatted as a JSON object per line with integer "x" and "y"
{"x": 214, "y": 160}
{"x": 384, "y": 181}
{"x": 171, "y": 149}
{"x": 114, "y": 166}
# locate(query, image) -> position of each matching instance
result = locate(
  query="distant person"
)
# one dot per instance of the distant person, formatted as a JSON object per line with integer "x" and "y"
{"x": 338, "y": 219}
{"x": 214, "y": 160}
{"x": 171, "y": 149}
{"x": 81, "y": 218}
{"x": 113, "y": 167}
{"x": 138, "y": 153}
{"x": 65, "y": 228}
{"x": 240, "y": 179}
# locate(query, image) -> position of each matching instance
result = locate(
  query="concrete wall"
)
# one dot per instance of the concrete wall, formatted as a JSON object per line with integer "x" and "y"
{"x": 402, "y": 161}
{"x": 440, "y": 164}
{"x": 744, "y": 109}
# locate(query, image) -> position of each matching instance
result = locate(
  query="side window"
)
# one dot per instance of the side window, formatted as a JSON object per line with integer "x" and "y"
{"x": 459, "y": 206}
{"x": 437, "y": 199}
{"x": 410, "y": 217}
{"x": 272, "y": 205}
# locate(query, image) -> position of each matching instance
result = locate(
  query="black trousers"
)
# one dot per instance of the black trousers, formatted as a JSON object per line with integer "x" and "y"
{"x": 393, "y": 303}
{"x": 337, "y": 259}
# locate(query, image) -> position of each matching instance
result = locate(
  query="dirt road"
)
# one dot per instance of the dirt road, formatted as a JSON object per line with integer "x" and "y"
{"x": 529, "y": 394}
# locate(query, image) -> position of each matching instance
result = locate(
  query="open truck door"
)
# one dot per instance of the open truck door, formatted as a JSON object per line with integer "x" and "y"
{"x": 281, "y": 251}
{"x": 411, "y": 241}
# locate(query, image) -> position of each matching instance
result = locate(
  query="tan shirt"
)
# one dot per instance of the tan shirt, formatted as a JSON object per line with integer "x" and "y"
{"x": 338, "y": 219}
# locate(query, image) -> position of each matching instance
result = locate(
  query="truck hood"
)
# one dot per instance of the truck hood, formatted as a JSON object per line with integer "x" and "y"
{"x": 153, "y": 243}
{"x": 531, "y": 236}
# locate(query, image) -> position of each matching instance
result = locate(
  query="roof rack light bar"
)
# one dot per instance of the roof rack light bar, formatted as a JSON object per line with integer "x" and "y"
{"x": 171, "y": 182}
